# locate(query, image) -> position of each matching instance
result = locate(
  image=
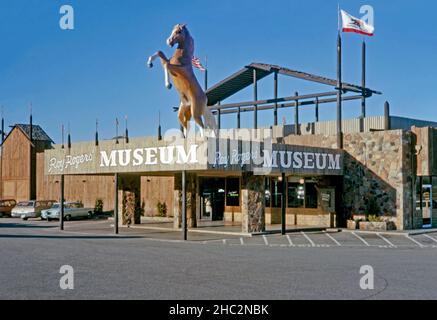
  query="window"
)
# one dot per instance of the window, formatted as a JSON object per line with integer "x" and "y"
{"x": 233, "y": 192}
{"x": 310, "y": 195}
{"x": 296, "y": 195}
{"x": 276, "y": 193}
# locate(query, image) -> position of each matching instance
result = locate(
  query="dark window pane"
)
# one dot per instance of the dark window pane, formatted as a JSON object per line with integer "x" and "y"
{"x": 310, "y": 195}
{"x": 233, "y": 192}
{"x": 296, "y": 195}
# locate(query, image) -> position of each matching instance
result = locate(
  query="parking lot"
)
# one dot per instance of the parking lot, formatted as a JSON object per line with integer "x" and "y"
{"x": 156, "y": 264}
{"x": 338, "y": 239}
{"x": 322, "y": 239}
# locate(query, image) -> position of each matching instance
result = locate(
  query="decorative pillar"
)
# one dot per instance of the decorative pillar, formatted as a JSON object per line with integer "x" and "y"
{"x": 177, "y": 201}
{"x": 191, "y": 191}
{"x": 387, "y": 116}
{"x": 253, "y": 204}
{"x": 129, "y": 199}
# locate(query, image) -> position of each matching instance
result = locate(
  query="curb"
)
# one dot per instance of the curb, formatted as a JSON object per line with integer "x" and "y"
{"x": 391, "y": 233}
{"x": 230, "y": 233}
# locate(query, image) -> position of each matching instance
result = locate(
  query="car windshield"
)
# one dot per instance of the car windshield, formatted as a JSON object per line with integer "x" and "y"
{"x": 55, "y": 206}
{"x": 25, "y": 204}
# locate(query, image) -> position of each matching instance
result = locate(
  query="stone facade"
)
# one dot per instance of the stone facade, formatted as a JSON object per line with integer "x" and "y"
{"x": 129, "y": 195}
{"x": 191, "y": 197}
{"x": 378, "y": 176}
{"x": 253, "y": 203}
{"x": 378, "y": 173}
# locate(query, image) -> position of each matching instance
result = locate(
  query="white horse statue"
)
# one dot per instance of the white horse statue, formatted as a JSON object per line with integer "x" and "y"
{"x": 193, "y": 99}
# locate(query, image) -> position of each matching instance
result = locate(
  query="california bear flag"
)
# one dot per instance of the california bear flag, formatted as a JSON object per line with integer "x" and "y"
{"x": 352, "y": 24}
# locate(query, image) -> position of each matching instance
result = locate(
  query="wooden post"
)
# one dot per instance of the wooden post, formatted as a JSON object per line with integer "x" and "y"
{"x": 387, "y": 125}
{"x": 296, "y": 117}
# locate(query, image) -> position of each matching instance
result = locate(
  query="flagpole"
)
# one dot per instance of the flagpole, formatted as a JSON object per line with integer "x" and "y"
{"x": 339, "y": 88}
{"x": 363, "y": 84}
{"x": 206, "y": 73}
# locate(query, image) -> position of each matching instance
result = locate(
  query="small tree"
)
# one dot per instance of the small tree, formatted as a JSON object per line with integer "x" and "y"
{"x": 162, "y": 209}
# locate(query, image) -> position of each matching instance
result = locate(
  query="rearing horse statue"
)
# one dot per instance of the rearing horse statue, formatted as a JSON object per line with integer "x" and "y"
{"x": 193, "y": 99}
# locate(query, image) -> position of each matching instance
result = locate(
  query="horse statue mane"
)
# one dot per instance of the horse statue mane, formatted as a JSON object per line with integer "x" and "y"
{"x": 193, "y": 100}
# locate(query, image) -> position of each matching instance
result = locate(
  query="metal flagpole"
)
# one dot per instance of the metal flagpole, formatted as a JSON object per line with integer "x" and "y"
{"x": 363, "y": 85}
{"x": 206, "y": 73}
{"x": 339, "y": 88}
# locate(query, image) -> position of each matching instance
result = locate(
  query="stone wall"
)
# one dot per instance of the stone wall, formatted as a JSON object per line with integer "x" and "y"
{"x": 253, "y": 203}
{"x": 378, "y": 174}
{"x": 129, "y": 199}
{"x": 378, "y": 169}
{"x": 192, "y": 200}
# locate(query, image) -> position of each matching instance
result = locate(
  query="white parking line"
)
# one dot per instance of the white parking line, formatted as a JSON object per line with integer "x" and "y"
{"x": 362, "y": 240}
{"x": 265, "y": 240}
{"x": 242, "y": 241}
{"x": 309, "y": 239}
{"x": 332, "y": 238}
{"x": 224, "y": 241}
{"x": 386, "y": 240}
{"x": 429, "y": 237}
{"x": 289, "y": 241}
{"x": 415, "y": 241}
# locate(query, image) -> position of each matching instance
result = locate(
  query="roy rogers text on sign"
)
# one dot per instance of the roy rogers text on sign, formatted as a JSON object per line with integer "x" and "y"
{"x": 69, "y": 161}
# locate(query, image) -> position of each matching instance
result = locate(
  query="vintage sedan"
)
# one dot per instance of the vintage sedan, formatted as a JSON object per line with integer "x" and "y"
{"x": 72, "y": 210}
{"x": 30, "y": 209}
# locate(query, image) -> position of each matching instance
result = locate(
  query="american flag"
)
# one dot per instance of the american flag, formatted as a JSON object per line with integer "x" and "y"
{"x": 196, "y": 64}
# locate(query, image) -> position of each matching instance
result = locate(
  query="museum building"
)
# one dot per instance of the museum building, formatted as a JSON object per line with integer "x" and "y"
{"x": 318, "y": 174}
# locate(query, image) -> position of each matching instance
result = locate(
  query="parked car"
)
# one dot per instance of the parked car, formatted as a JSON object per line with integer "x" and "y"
{"x": 72, "y": 210}
{"x": 6, "y": 207}
{"x": 31, "y": 209}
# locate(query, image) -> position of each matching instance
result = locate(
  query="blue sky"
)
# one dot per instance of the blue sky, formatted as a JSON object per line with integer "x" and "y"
{"x": 98, "y": 70}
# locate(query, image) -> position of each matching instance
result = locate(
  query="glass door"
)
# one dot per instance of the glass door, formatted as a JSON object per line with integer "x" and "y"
{"x": 212, "y": 199}
{"x": 206, "y": 206}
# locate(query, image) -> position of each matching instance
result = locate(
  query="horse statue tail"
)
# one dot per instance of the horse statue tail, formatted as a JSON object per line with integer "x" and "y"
{"x": 210, "y": 119}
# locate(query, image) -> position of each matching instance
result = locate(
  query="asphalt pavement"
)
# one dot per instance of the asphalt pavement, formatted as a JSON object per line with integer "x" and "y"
{"x": 150, "y": 264}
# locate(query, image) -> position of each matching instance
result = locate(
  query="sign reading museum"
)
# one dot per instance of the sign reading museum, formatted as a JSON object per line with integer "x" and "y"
{"x": 146, "y": 155}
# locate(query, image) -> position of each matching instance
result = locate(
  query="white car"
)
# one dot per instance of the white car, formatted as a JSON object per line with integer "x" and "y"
{"x": 72, "y": 210}
{"x": 30, "y": 209}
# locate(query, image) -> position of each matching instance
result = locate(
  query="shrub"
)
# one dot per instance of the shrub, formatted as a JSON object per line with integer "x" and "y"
{"x": 373, "y": 207}
{"x": 374, "y": 218}
{"x": 162, "y": 209}
{"x": 98, "y": 207}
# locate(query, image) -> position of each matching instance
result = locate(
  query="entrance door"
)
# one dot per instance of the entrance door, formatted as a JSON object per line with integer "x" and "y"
{"x": 212, "y": 199}
{"x": 427, "y": 205}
